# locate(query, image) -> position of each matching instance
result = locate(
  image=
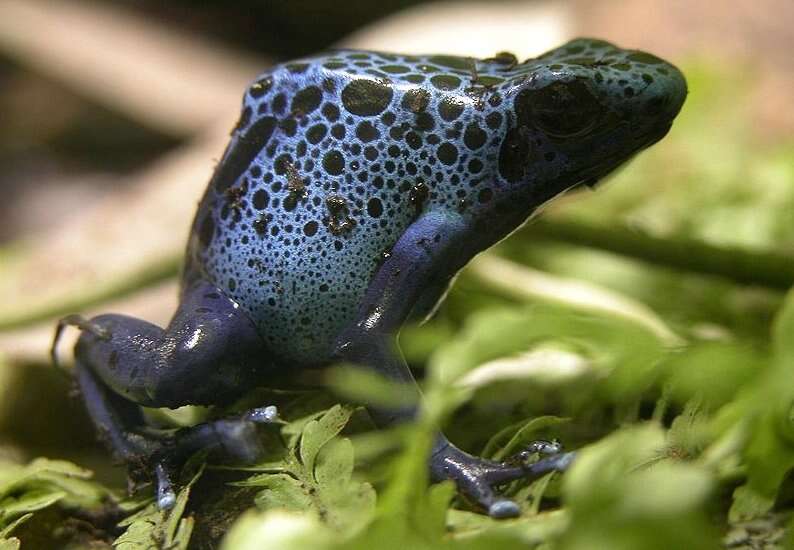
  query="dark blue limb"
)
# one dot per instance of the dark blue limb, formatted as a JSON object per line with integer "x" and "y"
{"x": 476, "y": 477}
{"x": 430, "y": 251}
{"x": 428, "y": 255}
{"x": 208, "y": 354}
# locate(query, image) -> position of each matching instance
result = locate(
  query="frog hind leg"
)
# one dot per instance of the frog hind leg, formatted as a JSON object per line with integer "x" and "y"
{"x": 427, "y": 256}
{"x": 207, "y": 355}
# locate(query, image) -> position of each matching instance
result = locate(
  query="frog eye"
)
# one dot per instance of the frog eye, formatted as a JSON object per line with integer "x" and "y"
{"x": 561, "y": 109}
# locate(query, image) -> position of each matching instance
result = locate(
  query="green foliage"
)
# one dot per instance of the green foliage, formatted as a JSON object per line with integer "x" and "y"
{"x": 44, "y": 482}
{"x": 628, "y": 352}
{"x": 25, "y": 489}
{"x": 278, "y": 529}
{"x": 767, "y": 425}
{"x": 316, "y": 474}
{"x": 618, "y": 492}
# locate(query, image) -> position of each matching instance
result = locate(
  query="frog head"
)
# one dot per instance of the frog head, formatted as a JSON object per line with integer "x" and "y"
{"x": 583, "y": 109}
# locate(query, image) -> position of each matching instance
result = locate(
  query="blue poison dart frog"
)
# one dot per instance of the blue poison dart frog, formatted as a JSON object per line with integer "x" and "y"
{"x": 355, "y": 186}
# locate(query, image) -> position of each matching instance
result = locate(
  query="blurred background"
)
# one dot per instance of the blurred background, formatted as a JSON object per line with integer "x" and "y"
{"x": 114, "y": 113}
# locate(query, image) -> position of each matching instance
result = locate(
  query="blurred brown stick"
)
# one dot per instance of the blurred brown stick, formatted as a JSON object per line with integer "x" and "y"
{"x": 173, "y": 82}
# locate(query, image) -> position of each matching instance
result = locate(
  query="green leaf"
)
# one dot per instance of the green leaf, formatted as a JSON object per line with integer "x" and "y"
{"x": 315, "y": 476}
{"x": 618, "y": 492}
{"x": 281, "y": 491}
{"x": 767, "y": 408}
{"x": 317, "y": 433}
{"x": 142, "y": 533}
{"x": 769, "y": 458}
{"x": 293, "y": 430}
{"x": 279, "y": 530}
{"x": 8, "y": 529}
{"x": 177, "y": 528}
{"x": 524, "y": 532}
{"x": 43, "y": 483}
{"x": 688, "y": 433}
{"x": 711, "y": 371}
{"x": 409, "y": 514}
{"x": 621, "y": 358}
{"x": 30, "y": 501}
{"x": 783, "y": 329}
{"x": 749, "y": 503}
{"x": 409, "y": 478}
{"x": 181, "y": 538}
{"x": 360, "y": 385}
{"x": 534, "y": 493}
{"x": 524, "y": 282}
{"x": 335, "y": 464}
{"x": 433, "y": 509}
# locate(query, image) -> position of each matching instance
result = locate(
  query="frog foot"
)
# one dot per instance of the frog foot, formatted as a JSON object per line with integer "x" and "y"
{"x": 539, "y": 447}
{"x": 234, "y": 438}
{"x": 476, "y": 477}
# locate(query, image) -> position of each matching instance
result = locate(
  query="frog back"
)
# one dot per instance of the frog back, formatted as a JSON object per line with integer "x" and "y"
{"x": 332, "y": 159}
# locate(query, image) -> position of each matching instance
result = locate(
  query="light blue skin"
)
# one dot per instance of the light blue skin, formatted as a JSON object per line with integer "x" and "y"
{"x": 355, "y": 186}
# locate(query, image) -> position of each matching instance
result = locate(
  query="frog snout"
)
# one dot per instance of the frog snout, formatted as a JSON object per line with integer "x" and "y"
{"x": 678, "y": 91}
{"x": 665, "y": 96}
{"x": 650, "y": 112}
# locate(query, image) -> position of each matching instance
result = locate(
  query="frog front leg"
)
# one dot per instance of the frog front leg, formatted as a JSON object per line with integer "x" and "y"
{"x": 207, "y": 355}
{"x": 428, "y": 255}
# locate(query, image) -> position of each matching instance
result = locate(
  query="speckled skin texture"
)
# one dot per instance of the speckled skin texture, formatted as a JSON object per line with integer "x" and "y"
{"x": 355, "y": 186}
{"x": 342, "y": 152}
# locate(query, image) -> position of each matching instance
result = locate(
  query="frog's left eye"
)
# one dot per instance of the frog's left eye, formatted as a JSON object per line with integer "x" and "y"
{"x": 561, "y": 109}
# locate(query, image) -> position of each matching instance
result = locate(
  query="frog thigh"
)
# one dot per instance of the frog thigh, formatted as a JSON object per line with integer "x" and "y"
{"x": 208, "y": 354}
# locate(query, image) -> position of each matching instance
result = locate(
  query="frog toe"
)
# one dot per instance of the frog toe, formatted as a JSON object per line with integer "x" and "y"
{"x": 160, "y": 455}
{"x": 476, "y": 477}
{"x": 166, "y": 497}
{"x": 232, "y": 438}
{"x": 502, "y": 509}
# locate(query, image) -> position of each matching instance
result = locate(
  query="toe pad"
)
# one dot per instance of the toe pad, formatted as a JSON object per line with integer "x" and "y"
{"x": 504, "y": 509}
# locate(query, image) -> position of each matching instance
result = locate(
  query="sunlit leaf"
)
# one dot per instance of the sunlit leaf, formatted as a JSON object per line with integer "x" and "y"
{"x": 317, "y": 433}
{"x": 278, "y": 530}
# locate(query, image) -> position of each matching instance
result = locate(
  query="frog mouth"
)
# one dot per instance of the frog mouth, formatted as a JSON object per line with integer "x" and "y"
{"x": 654, "y": 134}
{"x": 599, "y": 172}
{"x": 592, "y": 177}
